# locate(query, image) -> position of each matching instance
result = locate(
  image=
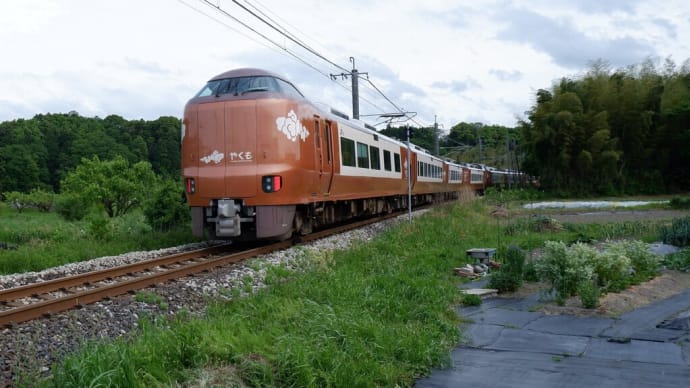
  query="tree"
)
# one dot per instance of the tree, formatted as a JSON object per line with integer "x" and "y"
{"x": 113, "y": 184}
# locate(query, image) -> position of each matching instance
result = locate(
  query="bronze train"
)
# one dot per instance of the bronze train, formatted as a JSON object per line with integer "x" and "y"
{"x": 262, "y": 162}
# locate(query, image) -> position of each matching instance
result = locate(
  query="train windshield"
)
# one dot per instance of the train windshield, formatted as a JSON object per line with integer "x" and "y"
{"x": 243, "y": 85}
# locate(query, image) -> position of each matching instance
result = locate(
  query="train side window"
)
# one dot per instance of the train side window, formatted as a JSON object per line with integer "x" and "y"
{"x": 362, "y": 155}
{"x": 397, "y": 162}
{"x": 317, "y": 132}
{"x": 375, "y": 158}
{"x": 386, "y": 160}
{"x": 347, "y": 148}
{"x": 327, "y": 137}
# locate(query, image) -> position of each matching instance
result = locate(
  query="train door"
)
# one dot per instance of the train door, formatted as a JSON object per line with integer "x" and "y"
{"x": 325, "y": 156}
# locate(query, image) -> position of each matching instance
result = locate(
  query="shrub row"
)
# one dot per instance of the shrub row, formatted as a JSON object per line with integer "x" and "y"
{"x": 581, "y": 269}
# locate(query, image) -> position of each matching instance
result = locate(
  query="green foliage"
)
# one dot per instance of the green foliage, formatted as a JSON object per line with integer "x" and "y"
{"x": 40, "y": 152}
{"x": 613, "y": 269}
{"x": 471, "y": 300}
{"x": 589, "y": 294}
{"x": 494, "y": 195}
{"x": 38, "y": 199}
{"x": 18, "y": 201}
{"x": 113, "y": 184}
{"x": 680, "y": 202}
{"x": 374, "y": 315}
{"x": 621, "y": 131}
{"x": 620, "y": 264}
{"x": 151, "y": 297}
{"x": 678, "y": 260}
{"x": 614, "y": 230}
{"x": 71, "y": 206}
{"x": 509, "y": 277}
{"x": 643, "y": 261}
{"x": 43, "y": 240}
{"x": 166, "y": 207}
{"x": 564, "y": 269}
{"x": 678, "y": 233}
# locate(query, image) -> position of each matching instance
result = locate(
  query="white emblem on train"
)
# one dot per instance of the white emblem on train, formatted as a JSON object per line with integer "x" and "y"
{"x": 291, "y": 127}
{"x": 216, "y": 157}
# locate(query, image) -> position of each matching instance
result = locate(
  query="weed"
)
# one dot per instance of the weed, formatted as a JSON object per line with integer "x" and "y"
{"x": 589, "y": 294}
{"x": 151, "y": 297}
{"x": 471, "y": 300}
{"x": 679, "y": 260}
{"x": 678, "y": 233}
{"x": 680, "y": 202}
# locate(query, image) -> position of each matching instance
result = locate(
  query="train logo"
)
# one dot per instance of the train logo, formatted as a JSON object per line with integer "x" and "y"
{"x": 291, "y": 127}
{"x": 216, "y": 157}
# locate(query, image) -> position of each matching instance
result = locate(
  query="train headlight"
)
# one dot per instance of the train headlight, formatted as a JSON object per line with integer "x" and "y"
{"x": 271, "y": 183}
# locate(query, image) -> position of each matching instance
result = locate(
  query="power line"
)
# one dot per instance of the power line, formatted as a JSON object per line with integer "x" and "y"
{"x": 290, "y": 36}
{"x": 219, "y": 9}
{"x": 284, "y": 50}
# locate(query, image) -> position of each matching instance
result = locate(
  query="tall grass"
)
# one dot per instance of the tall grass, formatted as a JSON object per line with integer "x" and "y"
{"x": 33, "y": 240}
{"x": 376, "y": 314}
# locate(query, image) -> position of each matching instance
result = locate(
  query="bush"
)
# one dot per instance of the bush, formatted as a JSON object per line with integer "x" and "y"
{"x": 678, "y": 233}
{"x": 562, "y": 269}
{"x": 679, "y": 260}
{"x": 613, "y": 268}
{"x": 18, "y": 201}
{"x": 509, "y": 277}
{"x": 643, "y": 261}
{"x": 70, "y": 206}
{"x": 504, "y": 281}
{"x": 166, "y": 207}
{"x": 680, "y": 202}
{"x": 471, "y": 300}
{"x": 589, "y": 294}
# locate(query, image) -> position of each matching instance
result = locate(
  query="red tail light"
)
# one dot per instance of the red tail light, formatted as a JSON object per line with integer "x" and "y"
{"x": 271, "y": 183}
{"x": 191, "y": 185}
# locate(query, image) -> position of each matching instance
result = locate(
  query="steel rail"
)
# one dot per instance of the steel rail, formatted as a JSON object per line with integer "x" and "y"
{"x": 141, "y": 278}
{"x": 52, "y": 306}
{"x": 96, "y": 276}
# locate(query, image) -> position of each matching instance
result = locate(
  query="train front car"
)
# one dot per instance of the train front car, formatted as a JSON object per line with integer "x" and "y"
{"x": 243, "y": 152}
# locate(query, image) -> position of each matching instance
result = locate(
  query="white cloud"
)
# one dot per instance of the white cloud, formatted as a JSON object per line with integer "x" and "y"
{"x": 473, "y": 61}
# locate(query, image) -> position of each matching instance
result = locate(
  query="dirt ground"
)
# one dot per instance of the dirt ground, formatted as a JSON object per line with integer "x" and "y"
{"x": 667, "y": 284}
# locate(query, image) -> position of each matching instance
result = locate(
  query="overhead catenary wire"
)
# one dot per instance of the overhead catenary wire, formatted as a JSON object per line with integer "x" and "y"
{"x": 270, "y": 22}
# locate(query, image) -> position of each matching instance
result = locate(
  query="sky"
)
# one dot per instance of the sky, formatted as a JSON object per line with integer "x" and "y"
{"x": 449, "y": 61}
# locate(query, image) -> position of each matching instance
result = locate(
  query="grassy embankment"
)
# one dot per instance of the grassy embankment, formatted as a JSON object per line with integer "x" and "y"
{"x": 33, "y": 240}
{"x": 379, "y": 313}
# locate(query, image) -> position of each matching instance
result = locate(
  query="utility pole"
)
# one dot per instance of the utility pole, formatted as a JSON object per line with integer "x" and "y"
{"x": 436, "y": 136}
{"x": 354, "y": 74}
{"x": 409, "y": 177}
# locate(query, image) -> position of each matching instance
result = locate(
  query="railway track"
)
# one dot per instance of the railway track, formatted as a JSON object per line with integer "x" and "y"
{"x": 32, "y": 301}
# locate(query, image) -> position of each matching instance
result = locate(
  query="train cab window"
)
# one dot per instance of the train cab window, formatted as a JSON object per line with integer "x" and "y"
{"x": 375, "y": 158}
{"x": 386, "y": 160}
{"x": 362, "y": 155}
{"x": 347, "y": 148}
{"x": 239, "y": 86}
{"x": 288, "y": 89}
{"x": 397, "y": 162}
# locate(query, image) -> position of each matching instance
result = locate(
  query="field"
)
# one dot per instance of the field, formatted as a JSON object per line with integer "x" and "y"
{"x": 378, "y": 313}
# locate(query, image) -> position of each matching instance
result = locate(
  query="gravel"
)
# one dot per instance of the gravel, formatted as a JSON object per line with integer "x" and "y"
{"x": 29, "y": 348}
